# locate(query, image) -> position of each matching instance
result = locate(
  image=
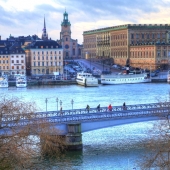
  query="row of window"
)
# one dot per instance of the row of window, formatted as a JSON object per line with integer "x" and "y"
{"x": 47, "y": 57}
{"x": 3, "y": 61}
{"x": 47, "y": 52}
{"x": 18, "y": 67}
{"x": 147, "y": 35}
{"x": 47, "y": 63}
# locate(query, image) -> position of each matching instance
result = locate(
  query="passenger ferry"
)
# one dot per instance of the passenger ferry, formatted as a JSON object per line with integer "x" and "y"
{"x": 86, "y": 79}
{"x": 3, "y": 82}
{"x": 124, "y": 78}
{"x": 168, "y": 77}
{"x": 21, "y": 81}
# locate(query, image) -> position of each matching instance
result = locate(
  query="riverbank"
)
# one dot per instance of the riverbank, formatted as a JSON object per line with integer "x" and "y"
{"x": 46, "y": 82}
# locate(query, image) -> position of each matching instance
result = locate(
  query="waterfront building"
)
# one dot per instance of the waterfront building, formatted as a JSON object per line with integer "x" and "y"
{"x": 71, "y": 48}
{"x": 17, "y": 60}
{"x": 46, "y": 57}
{"x": 130, "y": 44}
{"x": 12, "y": 58}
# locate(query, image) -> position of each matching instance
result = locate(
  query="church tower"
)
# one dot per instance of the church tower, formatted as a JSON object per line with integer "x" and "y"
{"x": 65, "y": 36}
{"x": 65, "y": 27}
{"x": 44, "y": 34}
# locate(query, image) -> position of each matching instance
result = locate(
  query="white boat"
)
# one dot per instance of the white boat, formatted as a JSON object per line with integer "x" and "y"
{"x": 3, "y": 82}
{"x": 168, "y": 77}
{"x": 124, "y": 78}
{"x": 21, "y": 81}
{"x": 87, "y": 79}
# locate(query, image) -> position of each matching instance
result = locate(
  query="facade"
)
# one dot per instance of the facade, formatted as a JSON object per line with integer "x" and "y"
{"x": 17, "y": 60}
{"x": 4, "y": 61}
{"x": 124, "y": 44}
{"x": 12, "y": 60}
{"x": 46, "y": 58}
{"x": 71, "y": 48}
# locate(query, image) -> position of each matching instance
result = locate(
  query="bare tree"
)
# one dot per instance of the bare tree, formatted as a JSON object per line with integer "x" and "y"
{"x": 25, "y": 140}
{"x": 158, "y": 147}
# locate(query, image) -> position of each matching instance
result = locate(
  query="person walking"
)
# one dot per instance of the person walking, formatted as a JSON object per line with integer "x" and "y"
{"x": 98, "y": 108}
{"x": 88, "y": 108}
{"x": 124, "y": 106}
{"x": 61, "y": 110}
{"x": 110, "y": 107}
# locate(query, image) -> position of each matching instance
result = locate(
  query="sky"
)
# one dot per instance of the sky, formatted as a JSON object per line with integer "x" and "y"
{"x": 26, "y": 17}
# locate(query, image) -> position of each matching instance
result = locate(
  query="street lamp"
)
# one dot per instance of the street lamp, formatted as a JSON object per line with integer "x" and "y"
{"x": 72, "y": 102}
{"x": 46, "y": 100}
{"x": 57, "y": 103}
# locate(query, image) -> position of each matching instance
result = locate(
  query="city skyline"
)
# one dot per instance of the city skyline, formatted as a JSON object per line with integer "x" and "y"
{"x": 22, "y": 18}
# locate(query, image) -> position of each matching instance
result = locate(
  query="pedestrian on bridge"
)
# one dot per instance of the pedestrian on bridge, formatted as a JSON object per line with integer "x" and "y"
{"x": 98, "y": 108}
{"x": 61, "y": 110}
{"x": 88, "y": 108}
{"x": 110, "y": 107}
{"x": 124, "y": 106}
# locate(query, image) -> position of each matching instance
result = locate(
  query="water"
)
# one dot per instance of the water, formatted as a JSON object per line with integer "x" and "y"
{"x": 115, "y": 148}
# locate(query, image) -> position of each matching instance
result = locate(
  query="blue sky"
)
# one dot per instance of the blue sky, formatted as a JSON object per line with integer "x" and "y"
{"x": 25, "y": 17}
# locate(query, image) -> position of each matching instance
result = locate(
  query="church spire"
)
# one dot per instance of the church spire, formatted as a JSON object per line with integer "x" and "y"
{"x": 44, "y": 34}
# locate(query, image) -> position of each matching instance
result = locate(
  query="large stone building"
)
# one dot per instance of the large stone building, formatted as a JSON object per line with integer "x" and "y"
{"x": 143, "y": 45}
{"x": 71, "y": 48}
{"x": 46, "y": 57}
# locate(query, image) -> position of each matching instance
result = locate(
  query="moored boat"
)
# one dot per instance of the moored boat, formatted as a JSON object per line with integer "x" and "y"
{"x": 168, "y": 77}
{"x": 3, "y": 82}
{"x": 21, "y": 81}
{"x": 124, "y": 78}
{"x": 87, "y": 79}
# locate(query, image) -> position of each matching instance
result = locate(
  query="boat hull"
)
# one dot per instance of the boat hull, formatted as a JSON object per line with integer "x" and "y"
{"x": 87, "y": 82}
{"x": 124, "y": 79}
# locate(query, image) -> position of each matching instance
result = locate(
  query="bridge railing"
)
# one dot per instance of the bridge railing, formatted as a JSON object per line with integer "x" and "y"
{"x": 15, "y": 117}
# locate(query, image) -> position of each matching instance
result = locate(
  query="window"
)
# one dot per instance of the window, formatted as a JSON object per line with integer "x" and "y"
{"x": 51, "y": 58}
{"x": 38, "y": 63}
{"x": 7, "y": 67}
{"x": 22, "y": 61}
{"x": 17, "y": 61}
{"x": 46, "y": 57}
{"x": 164, "y": 53}
{"x": 22, "y": 56}
{"x": 51, "y": 63}
{"x": 13, "y": 67}
{"x": 59, "y": 58}
{"x": 22, "y": 67}
{"x": 51, "y": 52}
{"x": 59, "y": 52}
{"x": 16, "y": 56}
{"x": 7, "y": 61}
{"x": 42, "y": 63}
{"x": 143, "y": 36}
{"x": 34, "y": 63}
{"x": 42, "y": 52}
{"x": 46, "y": 63}
{"x": 42, "y": 57}
{"x": 34, "y": 57}
{"x": 4, "y": 67}
{"x": 17, "y": 67}
{"x": 66, "y": 39}
{"x": 38, "y": 57}
{"x": 132, "y": 36}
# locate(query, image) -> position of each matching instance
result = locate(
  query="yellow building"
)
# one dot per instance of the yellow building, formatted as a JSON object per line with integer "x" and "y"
{"x": 120, "y": 42}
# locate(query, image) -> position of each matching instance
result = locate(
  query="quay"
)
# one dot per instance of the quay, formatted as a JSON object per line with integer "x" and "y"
{"x": 72, "y": 123}
{"x": 45, "y": 82}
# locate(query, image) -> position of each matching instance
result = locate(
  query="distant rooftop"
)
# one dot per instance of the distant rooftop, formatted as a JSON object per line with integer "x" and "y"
{"x": 134, "y": 26}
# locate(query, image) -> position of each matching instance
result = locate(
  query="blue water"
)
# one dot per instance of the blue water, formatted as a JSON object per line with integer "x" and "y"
{"x": 115, "y": 148}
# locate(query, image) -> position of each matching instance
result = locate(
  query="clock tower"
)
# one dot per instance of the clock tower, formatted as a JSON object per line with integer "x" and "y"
{"x": 65, "y": 36}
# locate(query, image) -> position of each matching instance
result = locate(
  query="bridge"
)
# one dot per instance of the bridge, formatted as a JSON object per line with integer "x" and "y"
{"x": 72, "y": 123}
